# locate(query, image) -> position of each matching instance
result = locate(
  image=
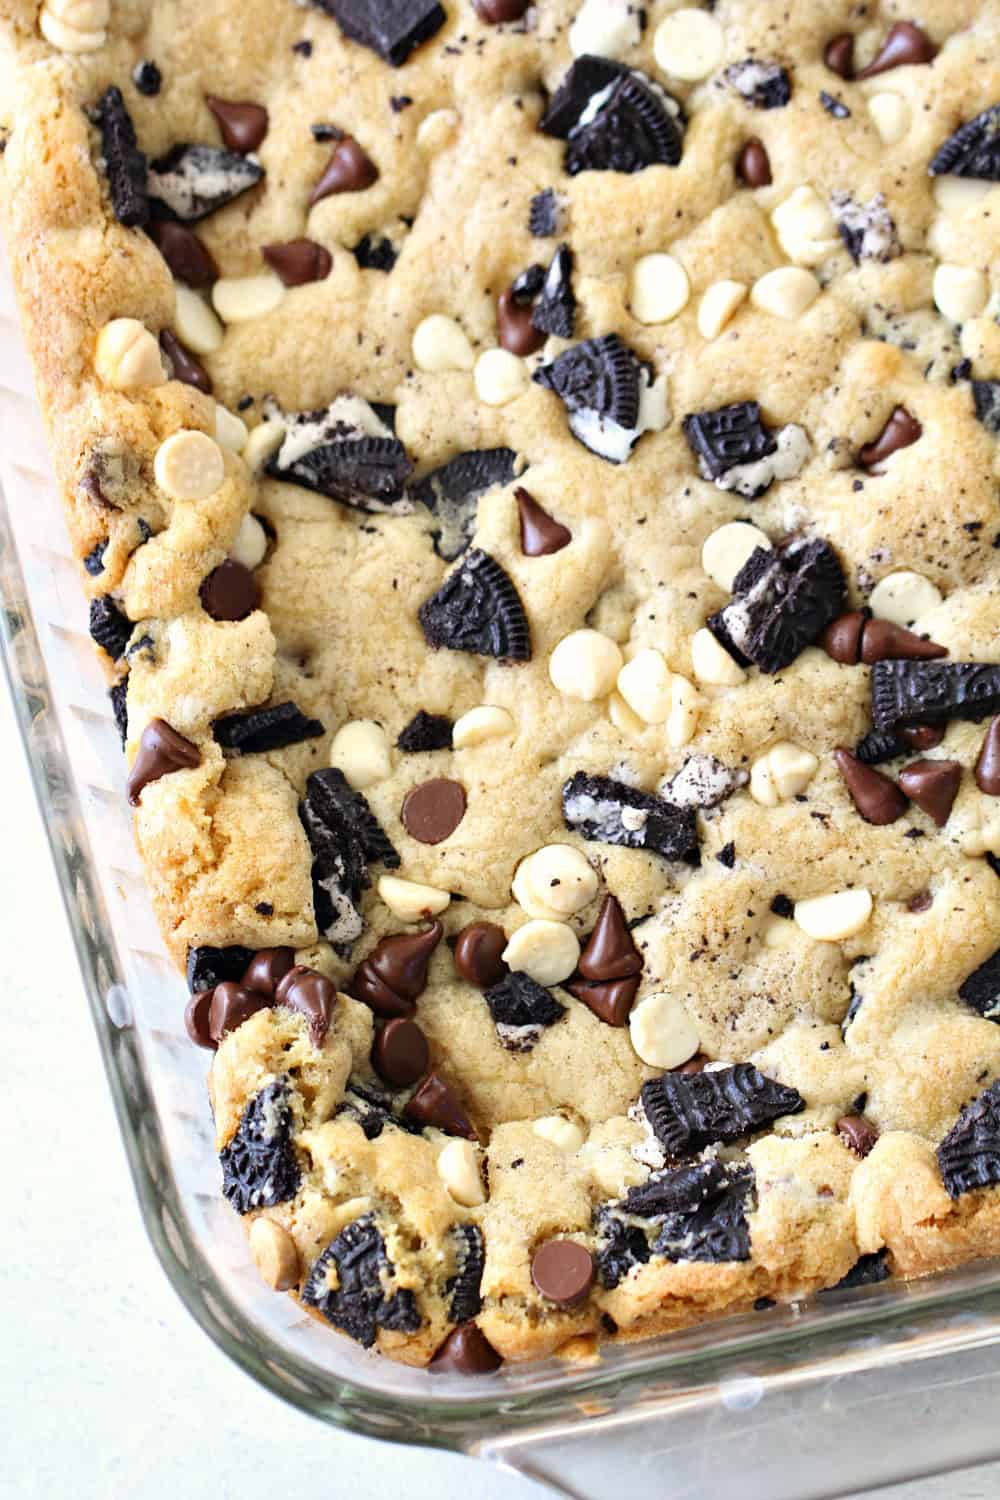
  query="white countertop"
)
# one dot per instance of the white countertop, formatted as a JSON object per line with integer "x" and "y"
{"x": 107, "y": 1387}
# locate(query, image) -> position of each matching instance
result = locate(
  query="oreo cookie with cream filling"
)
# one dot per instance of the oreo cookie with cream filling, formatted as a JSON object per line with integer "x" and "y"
{"x": 346, "y": 451}
{"x": 452, "y": 491}
{"x": 555, "y": 310}
{"x": 782, "y": 601}
{"x": 981, "y": 988}
{"x": 259, "y": 1165}
{"x": 614, "y": 119}
{"x": 345, "y": 837}
{"x": 737, "y": 452}
{"x": 762, "y": 85}
{"x": 973, "y": 150}
{"x": 191, "y": 182}
{"x": 610, "y": 396}
{"x": 603, "y": 810}
{"x": 521, "y": 1010}
{"x": 867, "y": 229}
{"x": 357, "y": 1300}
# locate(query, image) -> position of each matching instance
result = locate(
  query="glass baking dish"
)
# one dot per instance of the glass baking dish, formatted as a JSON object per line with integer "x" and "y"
{"x": 808, "y": 1400}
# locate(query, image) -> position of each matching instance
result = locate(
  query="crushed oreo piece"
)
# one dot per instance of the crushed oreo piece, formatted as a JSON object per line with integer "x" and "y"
{"x": 606, "y": 811}
{"x": 478, "y": 609}
{"x": 759, "y": 84}
{"x": 191, "y": 182}
{"x": 465, "y": 1298}
{"x": 833, "y": 106}
{"x": 147, "y": 77}
{"x": 866, "y": 1271}
{"x": 348, "y": 452}
{"x": 345, "y": 837}
{"x": 425, "y": 732}
{"x": 373, "y": 1110}
{"x": 545, "y": 215}
{"x": 94, "y": 560}
{"x": 359, "y": 1305}
{"x": 119, "y": 707}
{"x": 702, "y": 782}
{"x": 867, "y": 229}
{"x": 986, "y": 396}
{"x": 782, "y": 601}
{"x": 609, "y": 395}
{"x": 110, "y": 627}
{"x": 259, "y": 729}
{"x": 620, "y": 1247}
{"x": 391, "y": 28}
{"x": 687, "y": 1112}
{"x": 981, "y": 989}
{"x": 207, "y": 967}
{"x": 876, "y": 747}
{"x": 727, "y": 855}
{"x": 906, "y": 693}
{"x": 973, "y": 150}
{"x": 521, "y": 1009}
{"x": 527, "y": 284}
{"x": 452, "y": 491}
{"x": 555, "y": 310}
{"x": 124, "y": 163}
{"x": 727, "y": 436}
{"x": 259, "y": 1168}
{"x": 969, "y": 1155}
{"x": 613, "y": 119}
{"x": 700, "y": 1211}
{"x": 375, "y": 252}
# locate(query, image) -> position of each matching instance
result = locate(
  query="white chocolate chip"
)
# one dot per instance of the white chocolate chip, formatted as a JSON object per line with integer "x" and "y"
{"x": 805, "y": 227}
{"x": 662, "y": 1032}
{"x": 712, "y": 663}
{"x": 481, "y": 724}
{"x": 546, "y": 951}
{"x": 585, "y": 665}
{"x": 439, "y": 343}
{"x": 605, "y": 28}
{"x": 659, "y": 289}
{"x": 500, "y": 377}
{"x": 688, "y": 44}
{"x": 786, "y": 292}
{"x": 458, "y": 1168}
{"x": 127, "y": 356}
{"x": 644, "y": 683}
{"x": 784, "y": 771}
{"x": 230, "y": 430}
{"x": 891, "y": 116}
{"x": 832, "y": 918}
{"x": 903, "y": 597}
{"x": 623, "y": 718}
{"x": 189, "y": 465}
{"x": 561, "y": 1132}
{"x": 361, "y": 750}
{"x": 274, "y": 1253}
{"x": 250, "y": 544}
{"x": 437, "y": 131}
{"x": 685, "y": 706}
{"x": 718, "y": 306}
{"x": 263, "y": 442}
{"x": 75, "y": 25}
{"x": 960, "y": 292}
{"x": 196, "y": 325}
{"x": 239, "y": 299}
{"x": 556, "y": 877}
{"x": 409, "y": 901}
{"x": 728, "y": 548}
{"x": 954, "y": 196}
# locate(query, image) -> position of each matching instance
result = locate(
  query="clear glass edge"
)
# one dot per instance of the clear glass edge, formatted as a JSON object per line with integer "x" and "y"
{"x": 877, "y": 1326}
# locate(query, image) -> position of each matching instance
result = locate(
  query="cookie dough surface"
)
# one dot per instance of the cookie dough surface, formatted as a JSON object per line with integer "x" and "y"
{"x": 837, "y": 286}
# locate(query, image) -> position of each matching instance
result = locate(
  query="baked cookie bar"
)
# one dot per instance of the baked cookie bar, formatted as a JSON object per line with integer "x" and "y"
{"x": 535, "y": 470}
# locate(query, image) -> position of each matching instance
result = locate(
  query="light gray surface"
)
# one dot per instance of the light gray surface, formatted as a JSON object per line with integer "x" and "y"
{"x": 107, "y": 1388}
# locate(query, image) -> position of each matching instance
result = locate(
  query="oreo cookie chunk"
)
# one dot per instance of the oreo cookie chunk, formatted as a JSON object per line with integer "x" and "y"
{"x": 478, "y": 609}
{"x": 451, "y": 493}
{"x": 867, "y": 229}
{"x": 702, "y": 782}
{"x": 700, "y": 1211}
{"x": 359, "y": 1303}
{"x": 610, "y": 396}
{"x": 736, "y": 451}
{"x": 375, "y": 252}
{"x": 606, "y": 811}
{"x": 345, "y": 837}
{"x": 348, "y": 452}
{"x": 876, "y": 747}
{"x": 262, "y": 729}
{"x": 620, "y": 1246}
{"x": 555, "y": 310}
{"x": 909, "y": 693}
{"x": 687, "y": 1112}
{"x": 259, "y": 1167}
{"x": 782, "y": 601}
{"x": 545, "y": 217}
{"x": 867, "y": 1270}
{"x": 761, "y": 85}
{"x": 207, "y": 967}
{"x": 614, "y": 119}
{"x": 969, "y": 1155}
{"x": 191, "y": 182}
{"x": 470, "y": 1254}
{"x": 973, "y": 150}
{"x": 119, "y": 708}
{"x": 124, "y": 163}
{"x": 986, "y": 397}
{"x": 110, "y": 627}
{"x": 521, "y": 1010}
{"x": 425, "y": 732}
{"x": 392, "y": 28}
{"x": 373, "y": 1110}
{"x": 981, "y": 989}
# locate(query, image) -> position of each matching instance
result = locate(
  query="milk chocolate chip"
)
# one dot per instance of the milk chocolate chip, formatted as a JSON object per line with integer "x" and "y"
{"x": 298, "y": 261}
{"x": 477, "y": 954}
{"x": 349, "y": 170}
{"x": 541, "y": 534}
{"x": 400, "y": 1053}
{"x": 161, "y": 751}
{"x": 563, "y": 1271}
{"x": 243, "y": 125}
{"x": 433, "y": 810}
{"x": 515, "y": 330}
